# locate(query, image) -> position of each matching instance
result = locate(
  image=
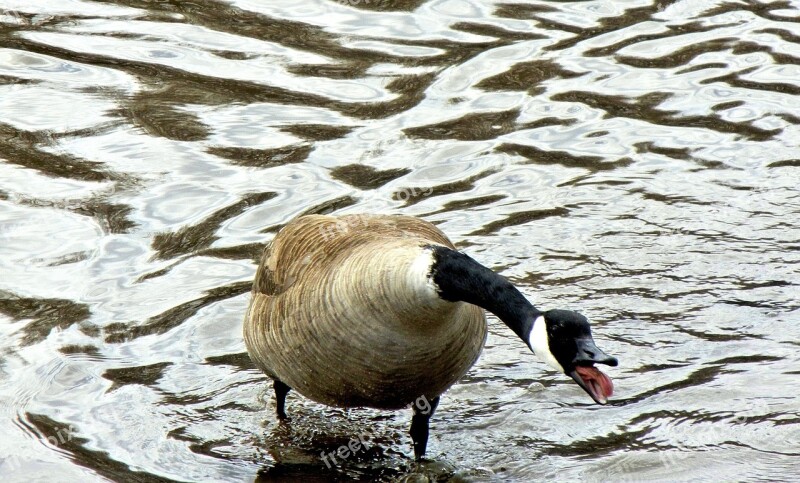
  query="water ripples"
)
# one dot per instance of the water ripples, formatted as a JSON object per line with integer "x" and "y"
{"x": 634, "y": 161}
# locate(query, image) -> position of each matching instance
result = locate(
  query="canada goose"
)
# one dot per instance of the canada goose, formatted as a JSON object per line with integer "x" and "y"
{"x": 382, "y": 311}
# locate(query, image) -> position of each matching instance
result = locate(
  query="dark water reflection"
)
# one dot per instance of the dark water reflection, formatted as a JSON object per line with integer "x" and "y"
{"x": 636, "y": 161}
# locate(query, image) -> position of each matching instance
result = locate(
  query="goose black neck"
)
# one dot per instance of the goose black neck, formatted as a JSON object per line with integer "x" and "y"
{"x": 459, "y": 278}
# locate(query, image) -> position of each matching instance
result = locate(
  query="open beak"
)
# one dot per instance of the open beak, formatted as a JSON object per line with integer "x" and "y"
{"x": 596, "y": 383}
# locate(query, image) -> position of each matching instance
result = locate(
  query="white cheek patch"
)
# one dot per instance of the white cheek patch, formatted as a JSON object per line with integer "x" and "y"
{"x": 419, "y": 276}
{"x": 540, "y": 344}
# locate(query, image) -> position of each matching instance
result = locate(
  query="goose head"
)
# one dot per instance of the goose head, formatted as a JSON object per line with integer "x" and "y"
{"x": 563, "y": 340}
{"x": 560, "y": 338}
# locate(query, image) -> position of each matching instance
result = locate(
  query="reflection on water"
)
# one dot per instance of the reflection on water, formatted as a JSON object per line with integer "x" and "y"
{"x": 635, "y": 161}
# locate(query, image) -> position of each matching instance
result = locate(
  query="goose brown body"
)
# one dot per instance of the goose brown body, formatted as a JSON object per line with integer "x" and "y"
{"x": 341, "y": 313}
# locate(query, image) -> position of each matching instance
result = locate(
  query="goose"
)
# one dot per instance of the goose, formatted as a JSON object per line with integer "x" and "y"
{"x": 382, "y": 311}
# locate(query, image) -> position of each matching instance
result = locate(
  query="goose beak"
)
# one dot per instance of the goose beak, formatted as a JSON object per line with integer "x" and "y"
{"x": 594, "y": 381}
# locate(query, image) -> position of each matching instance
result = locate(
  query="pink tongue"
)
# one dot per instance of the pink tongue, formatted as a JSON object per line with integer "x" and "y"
{"x": 592, "y": 373}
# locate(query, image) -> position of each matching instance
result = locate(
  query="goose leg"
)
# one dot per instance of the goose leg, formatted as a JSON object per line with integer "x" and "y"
{"x": 419, "y": 426}
{"x": 281, "y": 390}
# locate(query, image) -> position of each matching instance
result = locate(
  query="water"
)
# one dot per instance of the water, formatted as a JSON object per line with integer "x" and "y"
{"x": 634, "y": 161}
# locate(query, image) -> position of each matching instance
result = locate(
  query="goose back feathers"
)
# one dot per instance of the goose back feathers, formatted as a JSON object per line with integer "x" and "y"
{"x": 343, "y": 310}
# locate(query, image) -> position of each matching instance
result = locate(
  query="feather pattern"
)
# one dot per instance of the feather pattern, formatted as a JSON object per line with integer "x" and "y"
{"x": 344, "y": 312}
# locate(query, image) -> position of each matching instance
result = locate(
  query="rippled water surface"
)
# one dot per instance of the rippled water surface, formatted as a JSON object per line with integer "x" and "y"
{"x": 636, "y": 161}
